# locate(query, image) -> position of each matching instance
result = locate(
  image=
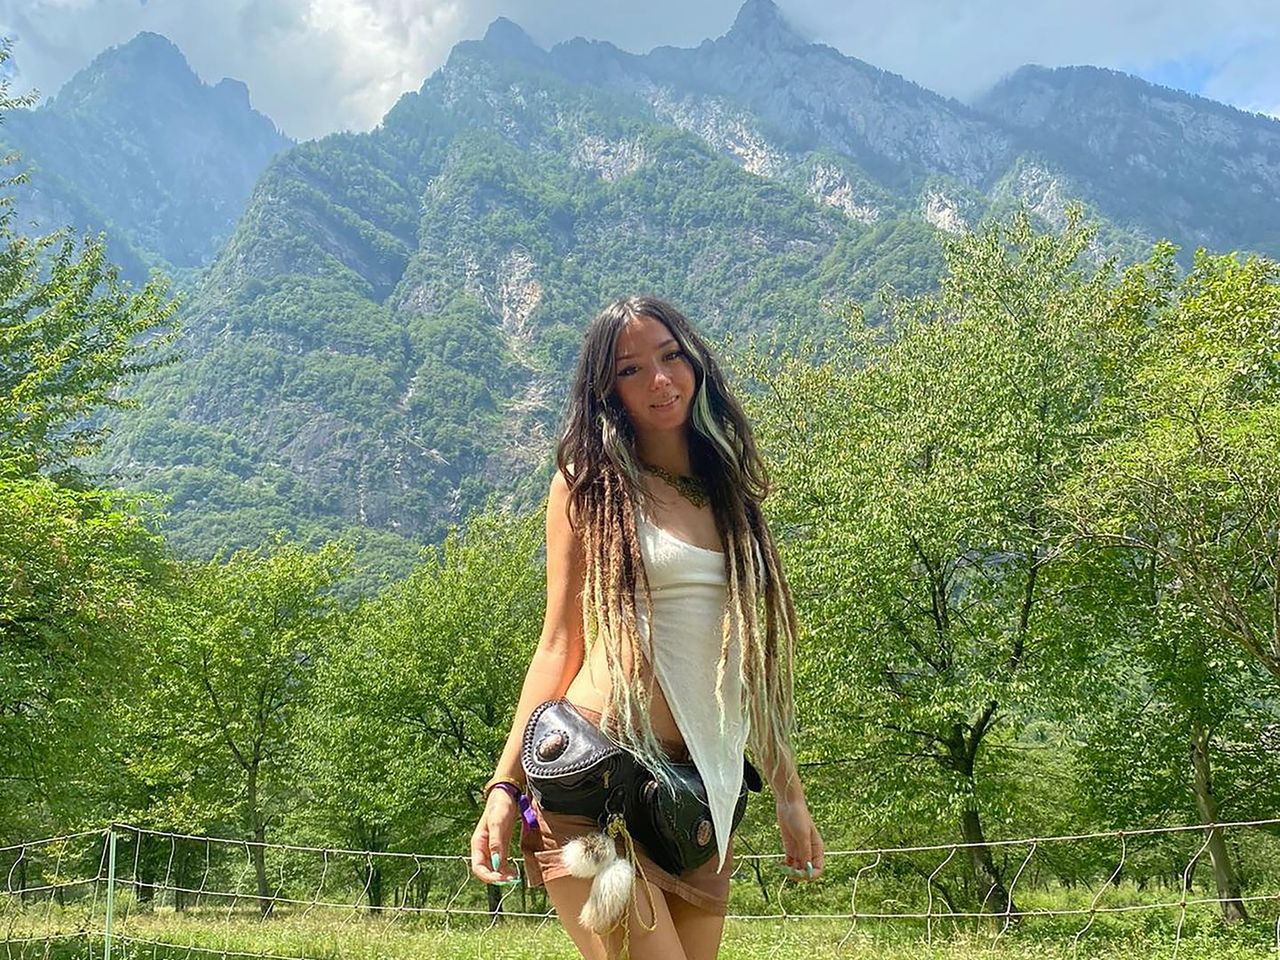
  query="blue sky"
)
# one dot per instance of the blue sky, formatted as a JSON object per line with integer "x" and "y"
{"x": 316, "y": 66}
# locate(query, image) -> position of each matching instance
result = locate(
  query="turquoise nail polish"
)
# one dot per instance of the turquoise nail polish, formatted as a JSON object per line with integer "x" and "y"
{"x": 494, "y": 860}
{"x": 808, "y": 868}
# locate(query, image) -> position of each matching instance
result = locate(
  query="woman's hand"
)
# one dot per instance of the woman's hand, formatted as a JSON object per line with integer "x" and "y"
{"x": 801, "y": 842}
{"x": 491, "y": 839}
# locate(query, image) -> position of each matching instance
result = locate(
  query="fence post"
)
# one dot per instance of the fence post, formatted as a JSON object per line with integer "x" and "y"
{"x": 111, "y": 888}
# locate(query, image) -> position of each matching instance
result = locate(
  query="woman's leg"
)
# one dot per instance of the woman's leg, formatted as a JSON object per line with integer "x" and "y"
{"x": 568, "y": 894}
{"x": 699, "y": 930}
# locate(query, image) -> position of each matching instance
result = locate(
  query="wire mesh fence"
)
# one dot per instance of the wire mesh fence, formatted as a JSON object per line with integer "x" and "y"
{"x": 127, "y": 891}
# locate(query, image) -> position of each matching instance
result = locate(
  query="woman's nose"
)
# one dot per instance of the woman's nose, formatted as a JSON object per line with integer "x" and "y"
{"x": 660, "y": 379}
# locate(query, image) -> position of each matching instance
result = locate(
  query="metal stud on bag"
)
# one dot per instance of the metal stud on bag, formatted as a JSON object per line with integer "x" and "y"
{"x": 703, "y": 832}
{"x": 552, "y": 745}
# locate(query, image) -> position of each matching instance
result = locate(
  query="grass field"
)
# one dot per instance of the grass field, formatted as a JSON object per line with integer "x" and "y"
{"x": 199, "y": 903}
{"x": 52, "y": 933}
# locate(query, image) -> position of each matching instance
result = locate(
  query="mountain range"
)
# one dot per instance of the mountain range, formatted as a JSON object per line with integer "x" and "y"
{"x": 382, "y": 340}
{"x": 136, "y": 146}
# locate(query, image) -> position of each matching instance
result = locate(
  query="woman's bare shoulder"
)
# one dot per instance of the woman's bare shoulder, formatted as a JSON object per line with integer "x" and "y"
{"x": 561, "y": 485}
{"x": 560, "y": 499}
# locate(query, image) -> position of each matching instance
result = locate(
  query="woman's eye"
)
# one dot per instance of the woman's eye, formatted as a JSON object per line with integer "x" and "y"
{"x": 627, "y": 371}
{"x": 675, "y": 355}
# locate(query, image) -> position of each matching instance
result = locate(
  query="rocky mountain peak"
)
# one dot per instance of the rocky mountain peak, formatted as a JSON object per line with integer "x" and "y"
{"x": 147, "y": 45}
{"x": 761, "y": 22}
{"x": 509, "y": 37}
{"x": 138, "y": 146}
{"x": 148, "y": 60}
{"x": 235, "y": 92}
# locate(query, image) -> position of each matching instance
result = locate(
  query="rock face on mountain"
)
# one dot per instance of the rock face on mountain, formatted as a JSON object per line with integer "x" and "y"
{"x": 136, "y": 145}
{"x": 1172, "y": 164}
{"x": 386, "y": 338}
{"x": 814, "y": 97}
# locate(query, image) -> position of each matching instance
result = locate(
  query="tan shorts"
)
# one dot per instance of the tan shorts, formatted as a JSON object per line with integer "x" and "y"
{"x": 703, "y": 886}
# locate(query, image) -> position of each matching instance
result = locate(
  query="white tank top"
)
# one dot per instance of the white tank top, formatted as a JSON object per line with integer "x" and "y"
{"x": 687, "y": 583}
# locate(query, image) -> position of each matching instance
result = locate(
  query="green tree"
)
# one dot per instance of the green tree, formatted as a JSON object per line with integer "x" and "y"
{"x": 914, "y": 471}
{"x": 70, "y": 335}
{"x": 76, "y": 568}
{"x": 232, "y": 670}
{"x": 1182, "y": 738}
{"x": 1189, "y": 473}
{"x": 409, "y": 711}
{"x": 77, "y": 564}
{"x": 1185, "y": 476}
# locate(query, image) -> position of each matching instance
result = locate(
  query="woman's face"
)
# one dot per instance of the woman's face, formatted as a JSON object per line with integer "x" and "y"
{"x": 655, "y": 380}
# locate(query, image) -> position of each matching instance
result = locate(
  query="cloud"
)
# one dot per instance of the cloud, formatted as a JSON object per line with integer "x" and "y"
{"x": 316, "y": 66}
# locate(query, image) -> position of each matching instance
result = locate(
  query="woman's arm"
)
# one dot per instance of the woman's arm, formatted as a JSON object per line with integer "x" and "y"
{"x": 801, "y": 843}
{"x": 555, "y": 663}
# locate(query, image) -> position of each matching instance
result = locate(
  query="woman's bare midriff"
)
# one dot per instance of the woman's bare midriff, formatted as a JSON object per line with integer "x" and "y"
{"x": 590, "y": 689}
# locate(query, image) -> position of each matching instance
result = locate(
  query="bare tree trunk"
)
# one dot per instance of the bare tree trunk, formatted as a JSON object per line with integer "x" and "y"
{"x": 185, "y": 892}
{"x": 961, "y": 751}
{"x": 991, "y": 891}
{"x": 373, "y": 884}
{"x": 145, "y": 880}
{"x": 1224, "y": 874}
{"x": 370, "y": 839}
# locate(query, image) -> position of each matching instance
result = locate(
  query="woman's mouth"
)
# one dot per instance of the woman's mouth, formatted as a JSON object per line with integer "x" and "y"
{"x": 666, "y": 404}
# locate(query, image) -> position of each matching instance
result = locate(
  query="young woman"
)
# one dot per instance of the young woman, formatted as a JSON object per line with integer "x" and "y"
{"x": 668, "y": 623}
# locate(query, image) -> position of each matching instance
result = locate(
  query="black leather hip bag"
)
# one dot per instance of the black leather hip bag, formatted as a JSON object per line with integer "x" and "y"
{"x": 574, "y": 768}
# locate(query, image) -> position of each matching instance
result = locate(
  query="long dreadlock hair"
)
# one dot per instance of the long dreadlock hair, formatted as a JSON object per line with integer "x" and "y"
{"x": 597, "y": 455}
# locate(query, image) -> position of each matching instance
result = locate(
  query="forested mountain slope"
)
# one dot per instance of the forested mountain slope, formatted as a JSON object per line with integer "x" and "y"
{"x": 385, "y": 339}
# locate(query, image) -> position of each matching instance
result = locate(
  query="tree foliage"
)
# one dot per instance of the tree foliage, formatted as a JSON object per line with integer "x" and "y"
{"x": 1187, "y": 474}
{"x": 70, "y": 334}
{"x": 78, "y": 564}
{"x": 232, "y": 669}
{"x": 1017, "y": 517}
{"x": 77, "y": 568}
{"x": 412, "y": 708}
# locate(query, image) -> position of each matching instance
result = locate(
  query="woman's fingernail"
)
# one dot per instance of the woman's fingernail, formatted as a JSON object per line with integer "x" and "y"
{"x": 808, "y": 868}
{"x": 494, "y": 860}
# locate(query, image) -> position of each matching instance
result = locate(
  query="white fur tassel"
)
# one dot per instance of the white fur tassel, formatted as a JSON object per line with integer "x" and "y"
{"x": 610, "y": 891}
{"x": 594, "y": 856}
{"x": 587, "y": 855}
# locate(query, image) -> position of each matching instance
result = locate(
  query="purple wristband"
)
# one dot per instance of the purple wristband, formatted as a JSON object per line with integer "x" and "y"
{"x": 522, "y": 801}
{"x": 526, "y": 811}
